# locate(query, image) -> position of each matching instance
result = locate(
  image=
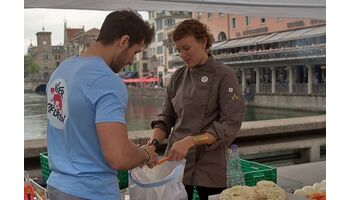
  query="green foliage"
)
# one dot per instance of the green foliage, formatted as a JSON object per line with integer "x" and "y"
{"x": 29, "y": 66}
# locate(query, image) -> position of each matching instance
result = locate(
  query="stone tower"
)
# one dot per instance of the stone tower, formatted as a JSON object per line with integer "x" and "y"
{"x": 44, "y": 54}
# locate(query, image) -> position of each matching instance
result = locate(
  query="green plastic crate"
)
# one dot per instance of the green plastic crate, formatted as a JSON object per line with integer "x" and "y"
{"x": 45, "y": 171}
{"x": 255, "y": 172}
{"x": 44, "y": 163}
{"x": 123, "y": 179}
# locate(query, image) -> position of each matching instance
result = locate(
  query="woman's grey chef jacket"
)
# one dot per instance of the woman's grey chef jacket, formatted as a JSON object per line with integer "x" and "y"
{"x": 206, "y": 98}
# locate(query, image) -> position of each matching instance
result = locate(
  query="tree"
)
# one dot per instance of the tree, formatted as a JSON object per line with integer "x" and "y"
{"x": 30, "y": 67}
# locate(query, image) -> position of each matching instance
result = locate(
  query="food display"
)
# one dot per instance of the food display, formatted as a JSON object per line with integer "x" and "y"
{"x": 268, "y": 190}
{"x": 264, "y": 190}
{"x": 315, "y": 192}
{"x": 239, "y": 193}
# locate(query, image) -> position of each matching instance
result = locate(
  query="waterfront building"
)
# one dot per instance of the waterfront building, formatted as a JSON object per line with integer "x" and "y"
{"x": 231, "y": 26}
{"x": 159, "y": 51}
{"x": 46, "y": 55}
{"x": 78, "y": 40}
{"x": 269, "y": 55}
{"x": 49, "y": 56}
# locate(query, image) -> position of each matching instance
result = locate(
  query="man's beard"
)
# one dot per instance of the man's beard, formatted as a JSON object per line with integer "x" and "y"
{"x": 118, "y": 63}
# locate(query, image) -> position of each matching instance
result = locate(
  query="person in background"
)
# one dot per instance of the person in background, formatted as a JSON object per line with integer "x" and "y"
{"x": 202, "y": 112}
{"x": 87, "y": 101}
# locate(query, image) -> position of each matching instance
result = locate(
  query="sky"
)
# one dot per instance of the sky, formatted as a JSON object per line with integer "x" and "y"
{"x": 53, "y": 21}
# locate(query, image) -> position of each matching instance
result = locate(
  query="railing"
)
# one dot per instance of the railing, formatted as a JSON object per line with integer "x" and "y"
{"x": 272, "y": 54}
{"x": 282, "y": 88}
{"x": 319, "y": 88}
{"x": 265, "y": 88}
{"x": 298, "y": 88}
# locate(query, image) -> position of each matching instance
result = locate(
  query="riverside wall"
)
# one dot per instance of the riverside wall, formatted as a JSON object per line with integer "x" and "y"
{"x": 287, "y": 126}
{"x": 286, "y": 101}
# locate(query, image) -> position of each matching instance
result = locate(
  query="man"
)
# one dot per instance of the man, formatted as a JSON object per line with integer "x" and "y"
{"x": 87, "y": 102}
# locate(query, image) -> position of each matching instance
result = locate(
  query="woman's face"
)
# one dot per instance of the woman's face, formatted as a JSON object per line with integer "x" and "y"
{"x": 191, "y": 51}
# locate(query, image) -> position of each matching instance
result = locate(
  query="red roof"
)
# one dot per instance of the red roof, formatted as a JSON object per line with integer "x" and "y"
{"x": 93, "y": 31}
{"x": 72, "y": 32}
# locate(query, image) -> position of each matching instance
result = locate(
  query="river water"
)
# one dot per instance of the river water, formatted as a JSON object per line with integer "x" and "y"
{"x": 141, "y": 111}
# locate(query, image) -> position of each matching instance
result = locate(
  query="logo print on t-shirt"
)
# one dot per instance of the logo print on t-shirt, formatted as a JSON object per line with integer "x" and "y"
{"x": 57, "y": 109}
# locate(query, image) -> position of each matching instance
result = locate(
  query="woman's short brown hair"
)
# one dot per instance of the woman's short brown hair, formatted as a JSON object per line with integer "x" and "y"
{"x": 195, "y": 28}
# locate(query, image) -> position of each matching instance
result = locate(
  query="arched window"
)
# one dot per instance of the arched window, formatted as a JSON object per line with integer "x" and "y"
{"x": 222, "y": 36}
{"x": 46, "y": 76}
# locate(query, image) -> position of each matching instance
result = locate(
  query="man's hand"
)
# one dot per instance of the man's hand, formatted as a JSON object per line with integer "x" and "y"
{"x": 153, "y": 155}
{"x": 180, "y": 148}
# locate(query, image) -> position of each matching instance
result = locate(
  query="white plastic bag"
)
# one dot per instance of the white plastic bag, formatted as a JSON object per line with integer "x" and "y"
{"x": 162, "y": 182}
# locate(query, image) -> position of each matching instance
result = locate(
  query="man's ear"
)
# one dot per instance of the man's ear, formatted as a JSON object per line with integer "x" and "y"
{"x": 124, "y": 41}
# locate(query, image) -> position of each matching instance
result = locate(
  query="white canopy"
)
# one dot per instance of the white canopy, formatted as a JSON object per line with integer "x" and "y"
{"x": 262, "y": 8}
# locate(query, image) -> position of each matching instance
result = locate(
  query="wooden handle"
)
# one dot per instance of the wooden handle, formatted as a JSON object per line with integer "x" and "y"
{"x": 162, "y": 160}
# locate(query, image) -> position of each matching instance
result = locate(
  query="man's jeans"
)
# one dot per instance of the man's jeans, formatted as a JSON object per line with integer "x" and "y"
{"x": 54, "y": 194}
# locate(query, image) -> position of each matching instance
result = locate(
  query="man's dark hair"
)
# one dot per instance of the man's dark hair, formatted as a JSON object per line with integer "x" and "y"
{"x": 125, "y": 22}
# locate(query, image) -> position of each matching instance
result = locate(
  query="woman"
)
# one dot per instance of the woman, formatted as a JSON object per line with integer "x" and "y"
{"x": 204, "y": 107}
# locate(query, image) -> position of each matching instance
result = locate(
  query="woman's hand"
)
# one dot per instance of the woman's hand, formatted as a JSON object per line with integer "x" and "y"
{"x": 180, "y": 148}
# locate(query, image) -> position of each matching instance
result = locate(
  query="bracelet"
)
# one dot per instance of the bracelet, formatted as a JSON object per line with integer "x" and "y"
{"x": 154, "y": 142}
{"x": 148, "y": 156}
{"x": 200, "y": 139}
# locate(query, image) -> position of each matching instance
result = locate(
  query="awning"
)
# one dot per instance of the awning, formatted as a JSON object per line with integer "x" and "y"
{"x": 296, "y": 34}
{"x": 273, "y": 37}
{"x": 315, "y": 9}
{"x": 215, "y": 45}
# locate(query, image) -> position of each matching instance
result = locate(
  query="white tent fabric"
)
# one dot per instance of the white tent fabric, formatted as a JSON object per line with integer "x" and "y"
{"x": 315, "y": 9}
{"x": 272, "y": 37}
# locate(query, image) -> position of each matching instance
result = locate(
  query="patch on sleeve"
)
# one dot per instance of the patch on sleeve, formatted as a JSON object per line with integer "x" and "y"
{"x": 236, "y": 98}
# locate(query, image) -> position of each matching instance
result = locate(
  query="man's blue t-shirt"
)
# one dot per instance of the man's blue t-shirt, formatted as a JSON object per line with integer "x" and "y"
{"x": 81, "y": 92}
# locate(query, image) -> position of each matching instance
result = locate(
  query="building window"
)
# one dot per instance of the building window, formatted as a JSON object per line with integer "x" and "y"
{"x": 169, "y": 22}
{"x": 160, "y": 37}
{"x": 278, "y": 19}
{"x": 222, "y": 36}
{"x": 144, "y": 54}
{"x": 262, "y": 20}
{"x": 46, "y": 75}
{"x": 160, "y": 60}
{"x": 221, "y": 14}
{"x": 233, "y": 22}
{"x": 159, "y": 24}
{"x": 159, "y": 49}
{"x": 247, "y": 21}
{"x": 210, "y": 15}
{"x": 200, "y": 15}
{"x": 144, "y": 67}
{"x": 171, "y": 50}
